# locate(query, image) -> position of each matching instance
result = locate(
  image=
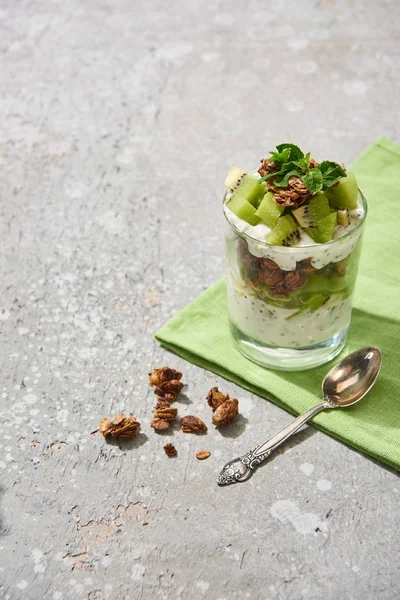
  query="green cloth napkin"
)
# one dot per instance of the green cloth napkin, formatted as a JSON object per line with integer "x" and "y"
{"x": 200, "y": 332}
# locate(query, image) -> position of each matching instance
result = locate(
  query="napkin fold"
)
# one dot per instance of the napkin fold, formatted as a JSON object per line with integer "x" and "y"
{"x": 200, "y": 332}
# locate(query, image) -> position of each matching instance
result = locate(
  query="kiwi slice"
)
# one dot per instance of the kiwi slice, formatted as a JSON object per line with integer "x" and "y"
{"x": 285, "y": 233}
{"x": 315, "y": 301}
{"x": 249, "y": 189}
{"x": 243, "y": 209}
{"x": 345, "y": 194}
{"x": 343, "y": 217}
{"x": 325, "y": 284}
{"x": 324, "y": 231}
{"x": 233, "y": 178}
{"x": 312, "y": 213}
{"x": 269, "y": 211}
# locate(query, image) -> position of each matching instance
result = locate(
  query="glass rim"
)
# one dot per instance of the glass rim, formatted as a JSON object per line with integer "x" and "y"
{"x": 301, "y": 248}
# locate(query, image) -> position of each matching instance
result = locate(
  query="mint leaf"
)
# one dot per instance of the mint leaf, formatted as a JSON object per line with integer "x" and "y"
{"x": 295, "y": 152}
{"x": 313, "y": 180}
{"x": 304, "y": 163}
{"x": 293, "y": 168}
{"x": 265, "y": 177}
{"x": 280, "y": 157}
{"x": 331, "y": 172}
{"x": 284, "y": 180}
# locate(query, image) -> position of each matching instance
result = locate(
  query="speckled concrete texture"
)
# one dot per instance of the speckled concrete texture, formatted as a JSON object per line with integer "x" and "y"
{"x": 118, "y": 123}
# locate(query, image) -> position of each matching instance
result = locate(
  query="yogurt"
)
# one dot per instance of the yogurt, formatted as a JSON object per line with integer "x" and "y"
{"x": 286, "y": 327}
{"x": 266, "y": 318}
{"x": 321, "y": 254}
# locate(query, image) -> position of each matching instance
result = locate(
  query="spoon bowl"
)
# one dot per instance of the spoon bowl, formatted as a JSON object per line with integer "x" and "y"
{"x": 349, "y": 381}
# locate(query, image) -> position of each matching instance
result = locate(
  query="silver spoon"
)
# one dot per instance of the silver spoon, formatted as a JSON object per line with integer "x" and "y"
{"x": 344, "y": 385}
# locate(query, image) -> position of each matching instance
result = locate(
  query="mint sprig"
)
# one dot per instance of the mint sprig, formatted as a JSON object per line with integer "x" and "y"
{"x": 283, "y": 181}
{"x": 313, "y": 180}
{"x": 295, "y": 152}
{"x": 280, "y": 158}
{"x": 293, "y": 163}
{"x": 331, "y": 173}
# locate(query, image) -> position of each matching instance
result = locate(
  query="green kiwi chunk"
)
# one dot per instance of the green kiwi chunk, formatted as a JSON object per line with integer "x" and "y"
{"x": 285, "y": 233}
{"x": 312, "y": 213}
{"x": 243, "y": 209}
{"x": 249, "y": 189}
{"x": 345, "y": 193}
{"x": 233, "y": 178}
{"x": 343, "y": 217}
{"x": 269, "y": 211}
{"x": 324, "y": 231}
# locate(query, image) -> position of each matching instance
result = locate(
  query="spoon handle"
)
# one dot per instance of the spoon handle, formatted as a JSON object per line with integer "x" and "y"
{"x": 241, "y": 468}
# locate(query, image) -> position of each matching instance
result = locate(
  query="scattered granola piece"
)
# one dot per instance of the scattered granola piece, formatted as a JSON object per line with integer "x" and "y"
{"x": 225, "y": 409}
{"x": 162, "y": 402}
{"x": 170, "y": 450}
{"x": 166, "y": 382}
{"x": 226, "y": 412}
{"x": 215, "y": 398}
{"x": 203, "y": 454}
{"x": 158, "y": 376}
{"x": 120, "y": 427}
{"x": 169, "y": 389}
{"x": 163, "y": 417}
{"x": 160, "y": 424}
{"x": 192, "y": 424}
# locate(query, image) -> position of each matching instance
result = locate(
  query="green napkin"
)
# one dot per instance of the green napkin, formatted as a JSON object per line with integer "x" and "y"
{"x": 200, "y": 332}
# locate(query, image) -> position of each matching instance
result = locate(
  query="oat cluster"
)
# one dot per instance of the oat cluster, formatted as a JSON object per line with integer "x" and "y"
{"x": 120, "y": 427}
{"x": 225, "y": 409}
{"x": 294, "y": 194}
{"x": 192, "y": 424}
{"x": 167, "y": 385}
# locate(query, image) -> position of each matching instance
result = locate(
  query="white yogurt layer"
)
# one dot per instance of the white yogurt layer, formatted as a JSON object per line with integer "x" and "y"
{"x": 270, "y": 324}
{"x": 287, "y": 257}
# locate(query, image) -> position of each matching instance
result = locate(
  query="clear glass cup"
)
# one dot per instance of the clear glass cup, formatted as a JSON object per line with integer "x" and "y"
{"x": 290, "y": 307}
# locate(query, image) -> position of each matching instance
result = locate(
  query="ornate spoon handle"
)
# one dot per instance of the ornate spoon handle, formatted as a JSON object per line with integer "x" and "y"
{"x": 241, "y": 468}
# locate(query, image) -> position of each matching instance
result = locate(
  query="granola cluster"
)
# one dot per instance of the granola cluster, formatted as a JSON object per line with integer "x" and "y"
{"x": 295, "y": 194}
{"x": 225, "y": 409}
{"x": 120, "y": 427}
{"x": 226, "y": 413}
{"x": 215, "y": 398}
{"x": 167, "y": 385}
{"x": 282, "y": 282}
{"x": 259, "y": 271}
{"x": 192, "y": 424}
{"x": 163, "y": 417}
{"x": 170, "y": 450}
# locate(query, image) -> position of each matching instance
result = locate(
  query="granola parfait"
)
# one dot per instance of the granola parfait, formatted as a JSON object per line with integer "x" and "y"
{"x": 293, "y": 244}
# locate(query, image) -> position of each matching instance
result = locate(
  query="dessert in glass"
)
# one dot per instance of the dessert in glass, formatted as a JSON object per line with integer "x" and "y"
{"x": 293, "y": 242}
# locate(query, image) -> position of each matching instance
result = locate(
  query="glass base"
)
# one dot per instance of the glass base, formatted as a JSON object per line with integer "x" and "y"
{"x": 289, "y": 359}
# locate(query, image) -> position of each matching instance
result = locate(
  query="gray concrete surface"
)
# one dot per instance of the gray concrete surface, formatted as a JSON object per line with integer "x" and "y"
{"x": 118, "y": 123}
